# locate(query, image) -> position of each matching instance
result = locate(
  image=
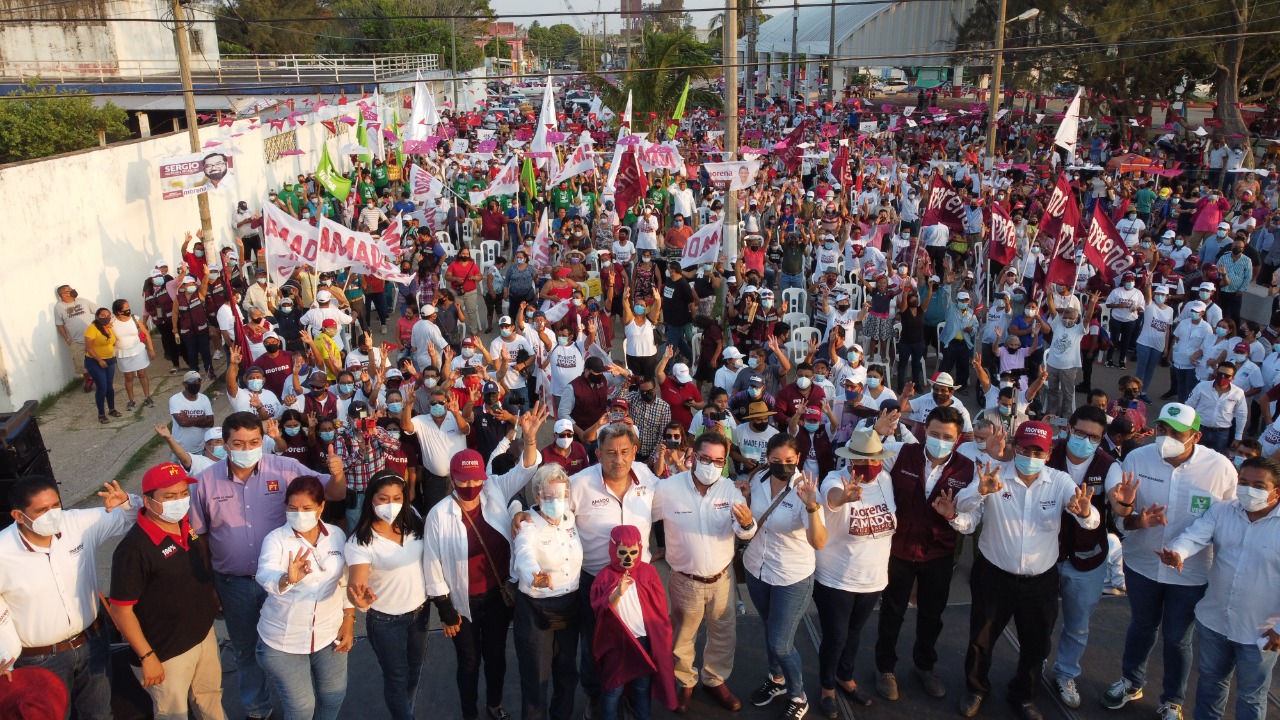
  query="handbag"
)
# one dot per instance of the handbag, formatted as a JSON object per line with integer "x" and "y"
{"x": 504, "y": 584}
{"x": 740, "y": 550}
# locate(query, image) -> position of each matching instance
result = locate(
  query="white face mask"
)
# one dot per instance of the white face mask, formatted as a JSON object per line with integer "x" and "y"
{"x": 302, "y": 521}
{"x": 173, "y": 510}
{"x": 48, "y": 524}
{"x": 706, "y": 473}
{"x": 1252, "y": 499}
{"x": 1170, "y": 447}
{"x": 388, "y": 511}
{"x": 564, "y": 442}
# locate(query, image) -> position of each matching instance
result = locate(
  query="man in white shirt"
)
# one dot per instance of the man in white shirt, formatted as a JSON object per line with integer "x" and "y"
{"x": 1236, "y": 621}
{"x": 1221, "y": 406}
{"x": 1130, "y": 228}
{"x": 442, "y": 433}
{"x": 326, "y": 309}
{"x": 728, "y": 373}
{"x": 1015, "y": 575}
{"x": 49, "y": 588}
{"x": 703, "y": 512}
{"x": 509, "y": 343}
{"x": 1178, "y": 481}
{"x": 425, "y": 335}
{"x": 1188, "y": 337}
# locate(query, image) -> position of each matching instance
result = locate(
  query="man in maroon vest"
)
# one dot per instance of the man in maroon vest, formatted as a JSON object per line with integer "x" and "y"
{"x": 926, "y": 478}
{"x": 586, "y": 402}
{"x": 1082, "y": 556}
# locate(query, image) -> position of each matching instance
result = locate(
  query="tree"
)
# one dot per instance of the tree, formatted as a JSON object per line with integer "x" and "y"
{"x": 255, "y": 27}
{"x": 667, "y": 60}
{"x": 559, "y": 42}
{"x": 38, "y": 121}
{"x": 389, "y": 27}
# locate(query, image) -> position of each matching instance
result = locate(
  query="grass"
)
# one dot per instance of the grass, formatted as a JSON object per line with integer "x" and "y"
{"x": 139, "y": 458}
{"x": 48, "y": 401}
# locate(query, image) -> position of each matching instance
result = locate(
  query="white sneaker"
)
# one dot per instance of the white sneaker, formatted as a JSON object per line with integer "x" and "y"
{"x": 1169, "y": 711}
{"x": 217, "y": 355}
{"x": 1068, "y": 693}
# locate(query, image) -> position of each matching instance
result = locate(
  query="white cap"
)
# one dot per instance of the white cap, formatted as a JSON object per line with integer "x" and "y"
{"x": 1206, "y": 286}
{"x": 505, "y": 320}
{"x": 213, "y": 434}
{"x": 1224, "y": 226}
{"x": 564, "y": 425}
{"x": 732, "y": 353}
{"x": 750, "y": 289}
{"x": 161, "y": 262}
{"x": 427, "y": 310}
{"x": 1196, "y": 306}
{"x": 188, "y": 279}
{"x": 962, "y": 295}
{"x": 1169, "y": 234}
{"x": 324, "y": 296}
{"x": 681, "y": 373}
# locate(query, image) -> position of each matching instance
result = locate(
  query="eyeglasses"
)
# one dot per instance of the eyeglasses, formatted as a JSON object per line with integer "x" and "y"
{"x": 1085, "y": 436}
{"x": 565, "y": 435}
{"x": 672, "y": 437}
{"x": 718, "y": 463}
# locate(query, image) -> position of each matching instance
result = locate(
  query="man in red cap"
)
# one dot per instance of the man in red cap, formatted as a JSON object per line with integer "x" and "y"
{"x": 1015, "y": 573}
{"x": 163, "y": 600}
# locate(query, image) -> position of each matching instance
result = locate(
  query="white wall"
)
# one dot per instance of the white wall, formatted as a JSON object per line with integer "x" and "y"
{"x": 95, "y": 220}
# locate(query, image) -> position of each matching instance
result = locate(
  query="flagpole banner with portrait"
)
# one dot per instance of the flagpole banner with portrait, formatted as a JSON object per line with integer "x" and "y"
{"x": 204, "y": 172}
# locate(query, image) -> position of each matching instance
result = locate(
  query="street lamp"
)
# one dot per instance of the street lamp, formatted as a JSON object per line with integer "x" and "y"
{"x": 996, "y": 90}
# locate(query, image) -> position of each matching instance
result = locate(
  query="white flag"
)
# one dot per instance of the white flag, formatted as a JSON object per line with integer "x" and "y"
{"x": 579, "y": 163}
{"x": 424, "y": 118}
{"x": 423, "y": 184}
{"x": 1069, "y": 130}
{"x": 542, "y": 244}
{"x": 703, "y": 246}
{"x": 507, "y": 182}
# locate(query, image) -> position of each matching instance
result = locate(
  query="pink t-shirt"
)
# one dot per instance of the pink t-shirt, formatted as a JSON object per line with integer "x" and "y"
{"x": 1010, "y": 361}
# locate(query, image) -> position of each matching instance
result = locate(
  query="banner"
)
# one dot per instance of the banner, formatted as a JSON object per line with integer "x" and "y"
{"x": 340, "y": 247}
{"x": 703, "y": 246}
{"x": 1062, "y": 263}
{"x": 287, "y": 242}
{"x": 632, "y": 183}
{"x": 507, "y": 182}
{"x": 579, "y": 163}
{"x": 791, "y": 151}
{"x": 869, "y": 126}
{"x": 1104, "y": 248}
{"x": 196, "y": 174}
{"x": 945, "y": 206}
{"x": 1062, "y": 196}
{"x": 328, "y": 176}
{"x": 423, "y": 184}
{"x": 659, "y": 157}
{"x": 739, "y": 175}
{"x": 541, "y": 254}
{"x": 1004, "y": 236}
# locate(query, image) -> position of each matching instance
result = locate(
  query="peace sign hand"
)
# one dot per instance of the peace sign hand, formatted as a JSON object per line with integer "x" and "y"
{"x": 1170, "y": 558}
{"x": 945, "y": 504}
{"x": 299, "y": 566}
{"x": 807, "y": 490}
{"x": 989, "y": 479}
{"x": 532, "y": 420}
{"x": 852, "y": 491}
{"x": 1081, "y": 503}
{"x": 1127, "y": 491}
{"x": 1149, "y": 517}
{"x": 362, "y": 596}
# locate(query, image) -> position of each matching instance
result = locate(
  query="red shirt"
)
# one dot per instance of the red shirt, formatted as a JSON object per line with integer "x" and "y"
{"x": 676, "y": 395}
{"x": 491, "y": 224}
{"x": 480, "y": 575}
{"x": 277, "y": 371}
{"x": 790, "y": 400}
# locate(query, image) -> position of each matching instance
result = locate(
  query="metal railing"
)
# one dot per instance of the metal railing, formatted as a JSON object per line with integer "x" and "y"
{"x": 259, "y": 68}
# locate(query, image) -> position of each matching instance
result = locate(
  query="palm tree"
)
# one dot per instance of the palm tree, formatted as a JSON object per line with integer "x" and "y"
{"x": 659, "y": 71}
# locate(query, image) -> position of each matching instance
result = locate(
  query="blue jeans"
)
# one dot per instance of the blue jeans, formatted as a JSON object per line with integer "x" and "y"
{"x": 400, "y": 643}
{"x": 786, "y": 281}
{"x": 1217, "y": 439}
{"x": 353, "y": 513}
{"x": 310, "y": 686}
{"x": 640, "y": 697}
{"x": 1148, "y": 360}
{"x": 1219, "y": 659}
{"x": 676, "y": 340}
{"x": 84, "y": 671}
{"x": 104, "y": 391}
{"x": 781, "y": 608}
{"x": 242, "y": 599}
{"x": 1167, "y": 609}
{"x": 1186, "y": 382}
{"x": 1080, "y": 592}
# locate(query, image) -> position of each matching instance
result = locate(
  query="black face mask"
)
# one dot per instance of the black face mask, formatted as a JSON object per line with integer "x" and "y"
{"x": 595, "y": 378}
{"x": 760, "y": 426}
{"x": 782, "y": 471}
{"x": 671, "y": 444}
{"x": 193, "y": 388}
{"x": 271, "y": 347}
{"x": 649, "y": 395}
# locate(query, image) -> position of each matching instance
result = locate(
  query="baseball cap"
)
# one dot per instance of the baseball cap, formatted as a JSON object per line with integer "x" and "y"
{"x": 1128, "y": 276}
{"x": 489, "y": 386}
{"x": 620, "y": 403}
{"x": 1196, "y": 306}
{"x": 317, "y": 378}
{"x": 270, "y": 335}
{"x": 467, "y": 465}
{"x": 1179, "y": 417}
{"x": 213, "y": 434}
{"x": 563, "y": 426}
{"x": 1121, "y": 426}
{"x": 188, "y": 280}
{"x": 962, "y": 295}
{"x": 161, "y": 262}
{"x": 681, "y": 373}
{"x": 1034, "y": 434}
{"x": 394, "y": 373}
{"x": 595, "y": 364}
{"x": 324, "y": 296}
{"x": 1224, "y": 226}
{"x": 505, "y": 320}
{"x": 755, "y": 381}
{"x": 812, "y": 413}
{"x": 1169, "y": 234}
{"x": 155, "y": 272}
{"x": 732, "y": 353}
{"x": 191, "y": 376}
{"x": 427, "y": 310}
{"x": 469, "y": 342}
{"x": 164, "y": 475}
{"x": 537, "y": 314}
{"x": 1242, "y": 348}
{"x": 329, "y": 323}
{"x": 1206, "y": 286}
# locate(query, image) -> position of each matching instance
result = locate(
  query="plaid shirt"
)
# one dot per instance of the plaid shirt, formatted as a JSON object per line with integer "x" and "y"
{"x": 649, "y": 418}
{"x": 359, "y": 469}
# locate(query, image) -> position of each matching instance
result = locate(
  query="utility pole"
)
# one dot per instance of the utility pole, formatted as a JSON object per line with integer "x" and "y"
{"x": 729, "y": 56}
{"x": 997, "y": 95}
{"x": 794, "y": 60}
{"x": 831, "y": 56}
{"x": 183, "y": 46}
{"x": 453, "y": 67}
{"x": 753, "y": 61}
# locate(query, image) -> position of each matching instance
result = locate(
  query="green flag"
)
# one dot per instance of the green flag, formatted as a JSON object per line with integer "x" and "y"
{"x": 395, "y": 130}
{"x": 674, "y": 125}
{"x": 330, "y": 178}
{"x": 362, "y": 137}
{"x": 529, "y": 181}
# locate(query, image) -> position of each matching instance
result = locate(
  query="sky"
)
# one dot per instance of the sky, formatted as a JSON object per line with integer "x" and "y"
{"x": 506, "y": 8}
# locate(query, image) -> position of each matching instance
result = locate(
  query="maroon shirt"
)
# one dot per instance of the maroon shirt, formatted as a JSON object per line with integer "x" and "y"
{"x": 790, "y": 400}
{"x": 277, "y": 371}
{"x": 480, "y": 576}
{"x": 574, "y": 462}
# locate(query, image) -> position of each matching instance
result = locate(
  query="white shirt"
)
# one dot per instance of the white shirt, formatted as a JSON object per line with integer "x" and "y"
{"x": 240, "y": 403}
{"x": 553, "y": 549}
{"x": 1243, "y": 598}
{"x": 425, "y": 333}
{"x": 190, "y": 438}
{"x": 1130, "y": 230}
{"x": 725, "y": 377}
{"x": 922, "y": 405}
{"x": 623, "y": 253}
{"x": 307, "y": 616}
{"x": 444, "y": 556}
{"x": 751, "y": 443}
{"x": 395, "y": 571}
{"x": 566, "y": 365}
{"x": 859, "y": 535}
{"x": 631, "y": 613}
{"x": 700, "y": 528}
{"x": 48, "y": 596}
{"x": 1021, "y": 523}
{"x": 1187, "y": 492}
{"x": 1188, "y": 336}
{"x": 514, "y": 379}
{"x": 314, "y": 318}
{"x": 439, "y": 442}
{"x": 1218, "y": 410}
{"x": 1064, "y": 351}
{"x": 781, "y": 554}
{"x": 1131, "y": 303}
{"x": 639, "y": 342}
{"x": 1156, "y": 321}
{"x": 598, "y": 511}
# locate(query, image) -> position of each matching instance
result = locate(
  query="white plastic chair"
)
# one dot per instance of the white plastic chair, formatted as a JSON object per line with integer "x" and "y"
{"x": 443, "y": 237}
{"x": 942, "y": 343}
{"x": 696, "y": 344}
{"x": 797, "y": 300}
{"x": 796, "y": 320}
{"x": 488, "y": 253}
{"x": 449, "y": 249}
{"x": 798, "y": 347}
{"x": 468, "y": 233}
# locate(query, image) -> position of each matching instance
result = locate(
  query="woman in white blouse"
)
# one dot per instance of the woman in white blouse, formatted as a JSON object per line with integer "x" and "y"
{"x": 546, "y": 561}
{"x": 640, "y": 348}
{"x": 307, "y": 623}
{"x": 467, "y": 557}
{"x": 384, "y": 565}
{"x": 875, "y": 389}
{"x": 780, "y": 563}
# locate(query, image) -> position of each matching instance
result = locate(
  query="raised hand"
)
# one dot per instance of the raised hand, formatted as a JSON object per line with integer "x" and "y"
{"x": 1149, "y": 517}
{"x": 531, "y": 421}
{"x": 299, "y": 566}
{"x": 742, "y": 513}
{"x": 887, "y": 422}
{"x": 334, "y": 462}
{"x": 851, "y": 492}
{"x": 1127, "y": 491}
{"x": 807, "y": 490}
{"x": 112, "y": 496}
{"x": 237, "y": 355}
{"x": 163, "y": 431}
{"x": 1081, "y": 502}
{"x": 624, "y": 583}
{"x": 908, "y": 392}
{"x": 989, "y": 479}
{"x": 945, "y": 504}
{"x": 1170, "y": 558}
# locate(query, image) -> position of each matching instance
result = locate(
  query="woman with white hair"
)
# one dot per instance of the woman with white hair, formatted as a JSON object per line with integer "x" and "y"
{"x": 547, "y": 561}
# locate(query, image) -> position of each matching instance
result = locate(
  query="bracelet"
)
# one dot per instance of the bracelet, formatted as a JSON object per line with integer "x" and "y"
{"x": 149, "y": 654}
{"x": 812, "y": 509}
{"x": 1124, "y": 504}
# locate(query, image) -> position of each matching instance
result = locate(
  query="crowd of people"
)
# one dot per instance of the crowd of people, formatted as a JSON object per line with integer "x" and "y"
{"x": 767, "y": 421}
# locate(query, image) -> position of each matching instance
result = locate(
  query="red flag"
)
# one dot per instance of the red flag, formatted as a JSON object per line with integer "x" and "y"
{"x": 242, "y": 340}
{"x": 791, "y": 152}
{"x": 1120, "y": 209}
{"x": 631, "y": 183}
{"x": 1004, "y": 237}
{"x": 1104, "y": 248}
{"x": 1062, "y": 264}
{"x": 1051, "y": 220}
{"x": 945, "y": 206}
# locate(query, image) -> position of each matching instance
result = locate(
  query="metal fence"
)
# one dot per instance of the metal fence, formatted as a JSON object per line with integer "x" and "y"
{"x": 230, "y": 68}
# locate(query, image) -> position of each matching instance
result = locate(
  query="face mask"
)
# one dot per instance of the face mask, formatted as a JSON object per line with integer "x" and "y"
{"x": 346, "y": 388}
{"x": 564, "y": 442}
{"x": 157, "y": 281}
{"x": 842, "y": 308}
{"x": 1128, "y": 286}
{"x": 437, "y": 410}
{"x": 1029, "y": 312}
{"x": 286, "y": 307}
{"x": 1238, "y": 460}
{"x": 803, "y": 382}
{"x": 1080, "y": 447}
{"x": 1159, "y": 299}
{"x": 1220, "y": 331}
{"x": 395, "y": 407}
{"x": 1195, "y": 316}
{"x": 1205, "y": 294}
{"x": 328, "y": 436}
{"x": 193, "y": 388}
{"x": 1133, "y": 216}
{"x": 246, "y": 458}
{"x": 220, "y": 451}
{"x": 554, "y": 508}
{"x": 506, "y": 332}
{"x": 388, "y": 511}
{"x": 782, "y": 471}
{"x": 1275, "y": 347}
{"x": 430, "y": 382}
{"x": 1178, "y": 243}
{"x": 174, "y": 510}
{"x": 469, "y": 492}
{"x": 1252, "y": 499}
{"x": 302, "y": 521}
{"x": 1221, "y": 233}
{"x": 706, "y": 473}
{"x": 1028, "y": 465}
{"x": 649, "y": 395}
{"x": 937, "y": 447}
{"x": 200, "y": 253}
{"x": 812, "y": 427}
{"x": 468, "y": 353}
{"x": 638, "y": 309}
{"x": 563, "y": 340}
{"x": 1005, "y": 410}
{"x": 190, "y": 289}
{"x": 1237, "y": 359}
{"x": 1170, "y": 447}
{"x": 255, "y": 385}
{"x": 48, "y": 524}
{"x": 755, "y": 392}
{"x": 751, "y": 362}
{"x": 292, "y": 430}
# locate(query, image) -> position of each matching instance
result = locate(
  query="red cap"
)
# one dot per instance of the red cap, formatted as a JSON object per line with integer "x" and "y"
{"x": 328, "y": 323}
{"x": 33, "y": 694}
{"x": 165, "y": 475}
{"x": 619, "y": 402}
{"x": 467, "y": 465}
{"x": 468, "y": 342}
{"x": 1242, "y": 348}
{"x": 812, "y": 413}
{"x": 1034, "y": 434}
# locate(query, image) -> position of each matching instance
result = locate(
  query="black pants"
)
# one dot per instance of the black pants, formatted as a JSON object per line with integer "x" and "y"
{"x": 841, "y": 615}
{"x": 431, "y": 490}
{"x": 196, "y": 349}
{"x": 955, "y": 359}
{"x": 1123, "y": 335}
{"x": 587, "y": 676}
{"x": 375, "y": 301}
{"x": 546, "y": 656}
{"x": 911, "y": 355}
{"x": 172, "y": 350}
{"x": 1032, "y": 603}
{"x": 1231, "y": 302}
{"x": 482, "y": 638}
{"x": 934, "y": 577}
